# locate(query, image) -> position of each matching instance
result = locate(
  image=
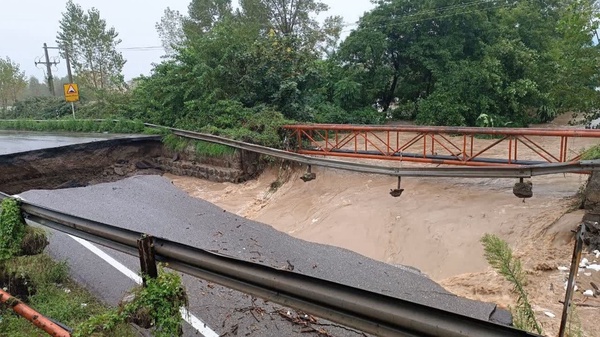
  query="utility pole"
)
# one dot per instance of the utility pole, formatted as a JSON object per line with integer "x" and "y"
{"x": 49, "y": 70}
{"x": 68, "y": 57}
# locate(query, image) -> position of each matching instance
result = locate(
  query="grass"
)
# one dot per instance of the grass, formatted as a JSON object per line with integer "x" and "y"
{"x": 80, "y": 125}
{"x": 574, "y": 328}
{"x": 591, "y": 153}
{"x": 57, "y": 297}
{"x": 201, "y": 148}
{"x": 499, "y": 255}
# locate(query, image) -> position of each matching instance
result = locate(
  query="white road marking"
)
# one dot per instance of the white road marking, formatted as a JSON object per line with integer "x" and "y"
{"x": 109, "y": 259}
{"x": 185, "y": 314}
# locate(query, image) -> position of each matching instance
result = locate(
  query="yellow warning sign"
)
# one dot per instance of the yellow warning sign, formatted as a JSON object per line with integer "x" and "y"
{"x": 71, "y": 92}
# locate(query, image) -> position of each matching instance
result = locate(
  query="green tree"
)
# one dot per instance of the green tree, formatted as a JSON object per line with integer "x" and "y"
{"x": 263, "y": 53}
{"x": 170, "y": 30}
{"x": 457, "y": 60}
{"x": 35, "y": 88}
{"x": 576, "y": 59}
{"x": 12, "y": 82}
{"x": 92, "y": 47}
{"x": 204, "y": 15}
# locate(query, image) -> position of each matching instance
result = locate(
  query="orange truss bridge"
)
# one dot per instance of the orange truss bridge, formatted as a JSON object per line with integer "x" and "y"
{"x": 443, "y": 145}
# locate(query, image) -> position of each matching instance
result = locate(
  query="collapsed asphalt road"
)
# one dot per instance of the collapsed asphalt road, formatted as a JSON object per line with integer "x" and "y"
{"x": 151, "y": 204}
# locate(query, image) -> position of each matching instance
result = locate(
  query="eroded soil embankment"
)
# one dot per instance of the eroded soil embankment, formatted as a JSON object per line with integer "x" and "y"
{"x": 111, "y": 160}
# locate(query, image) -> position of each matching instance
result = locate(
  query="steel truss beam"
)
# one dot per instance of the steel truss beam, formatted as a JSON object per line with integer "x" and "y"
{"x": 437, "y": 145}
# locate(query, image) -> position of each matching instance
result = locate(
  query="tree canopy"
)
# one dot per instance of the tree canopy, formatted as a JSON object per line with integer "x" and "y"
{"x": 12, "y": 82}
{"x": 439, "y": 62}
{"x": 92, "y": 48}
{"x": 251, "y": 65}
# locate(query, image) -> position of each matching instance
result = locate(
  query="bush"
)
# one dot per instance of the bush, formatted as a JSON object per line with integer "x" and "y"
{"x": 158, "y": 304}
{"x": 366, "y": 115}
{"x": 260, "y": 125}
{"x": 326, "y": 113}
{"x": 405, "y": 111}
{"x": 440, "y": 109}
{"x": 108, "y": 105}
{"x": 592, "y": 153}
{"x": 12, "y": 228}
{"x": 55, "y": 296}
{"x": 201, "y": 148}
{"x": 72, "y": 125}
{"x": 39, "y": 108}
{"x": 329, "y": 113}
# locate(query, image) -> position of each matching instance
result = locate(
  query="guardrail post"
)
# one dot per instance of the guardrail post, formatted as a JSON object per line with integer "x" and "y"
{"x": 147, "y": 258}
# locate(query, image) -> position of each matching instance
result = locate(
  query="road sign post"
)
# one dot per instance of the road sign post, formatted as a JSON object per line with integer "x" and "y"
{"x": 71, "y": 95}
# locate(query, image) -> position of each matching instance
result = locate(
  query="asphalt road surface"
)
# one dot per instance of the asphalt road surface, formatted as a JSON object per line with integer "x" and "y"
{"x": 20, "y": 141}
{"x": 151, "y": 204}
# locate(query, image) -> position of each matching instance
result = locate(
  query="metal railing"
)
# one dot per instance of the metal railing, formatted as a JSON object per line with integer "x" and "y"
{"x": 356, "y": 308}
{"x": 440, "y": 144}
{"x": 449, "y": 172}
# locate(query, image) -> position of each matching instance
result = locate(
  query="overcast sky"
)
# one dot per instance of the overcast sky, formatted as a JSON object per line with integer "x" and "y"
{"x": 26, "y": 24}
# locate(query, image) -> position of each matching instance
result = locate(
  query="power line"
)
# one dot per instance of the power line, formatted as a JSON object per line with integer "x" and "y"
{"x": 141, "y": 48}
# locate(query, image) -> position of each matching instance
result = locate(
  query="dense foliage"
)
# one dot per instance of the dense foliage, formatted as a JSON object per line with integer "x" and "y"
{"x": 92, "y": 48}
{"x": 439, "y": 62}
{"x": 78, "y": 125}
{"x": 243, "y": 71}
{"x": 41, "y": 107}
{"x": 12, "y": 228}
{"x": 12, "y": 82}
{"x": 53, "y": 295}
{"x": 159, "y": 302}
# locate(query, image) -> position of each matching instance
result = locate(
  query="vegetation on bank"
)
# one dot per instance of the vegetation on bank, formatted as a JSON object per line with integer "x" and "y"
{"x": 591, "y": 153}
{"x": 499, "y": 255}
{"x": 12, "y": 229}
{"x": 44, "y": 285}
{"x": 56, "y": 297}
{"x": 72, "y": 125}
{"x": 201, "y": 148}
{"x": 38, "y": 280}
{"x": 155, "y": 306}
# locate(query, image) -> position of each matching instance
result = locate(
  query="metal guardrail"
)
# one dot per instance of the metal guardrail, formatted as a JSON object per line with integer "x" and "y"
{"x": 356, "y": 308}
{"x": 441, "y": 172}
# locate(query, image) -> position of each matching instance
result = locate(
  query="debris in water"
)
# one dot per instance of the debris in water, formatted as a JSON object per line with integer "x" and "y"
{"x": 595, "y": 267}
{"x": 574, "y": 286}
